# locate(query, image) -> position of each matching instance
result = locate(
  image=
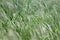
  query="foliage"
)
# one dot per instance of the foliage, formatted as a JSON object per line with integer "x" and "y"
{"x": 29, "y": 19}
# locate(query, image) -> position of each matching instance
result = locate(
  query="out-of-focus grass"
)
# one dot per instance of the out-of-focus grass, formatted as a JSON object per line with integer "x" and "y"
{"x": 29, "y": 19}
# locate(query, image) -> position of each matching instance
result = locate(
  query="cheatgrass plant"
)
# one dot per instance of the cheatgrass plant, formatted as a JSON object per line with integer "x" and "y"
{"x": 29, "y": 19}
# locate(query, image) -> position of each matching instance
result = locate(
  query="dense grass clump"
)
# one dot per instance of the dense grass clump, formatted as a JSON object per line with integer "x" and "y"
{"x": 29, "y": 19}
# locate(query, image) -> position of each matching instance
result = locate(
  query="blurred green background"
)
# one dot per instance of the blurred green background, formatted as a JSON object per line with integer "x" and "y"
{"x": 29, "y": 19}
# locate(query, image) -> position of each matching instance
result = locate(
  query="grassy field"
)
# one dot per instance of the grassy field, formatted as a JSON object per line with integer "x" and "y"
{"x": 29, "y": 19}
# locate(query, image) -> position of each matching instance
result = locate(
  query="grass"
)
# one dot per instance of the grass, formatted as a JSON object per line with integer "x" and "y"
{"x": 29, "y": 19}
